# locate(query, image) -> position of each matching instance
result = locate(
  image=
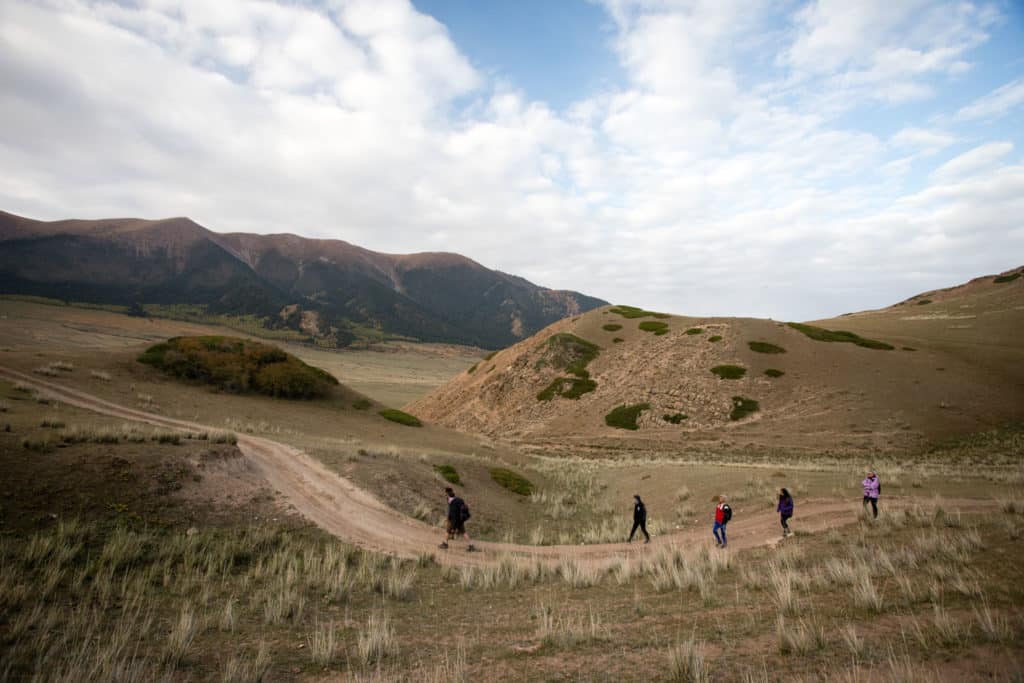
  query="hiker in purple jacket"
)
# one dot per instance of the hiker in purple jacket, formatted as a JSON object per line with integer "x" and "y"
{"x": 785, "y": 511}
{"x": 872, "y": 489}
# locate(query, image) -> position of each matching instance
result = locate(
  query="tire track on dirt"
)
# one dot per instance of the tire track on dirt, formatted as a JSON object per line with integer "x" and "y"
{"x": 355, "y": 515}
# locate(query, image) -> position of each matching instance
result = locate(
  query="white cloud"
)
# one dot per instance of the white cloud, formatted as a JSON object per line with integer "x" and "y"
{"x": 972, "y": 161}
{"x": 361, "y": 120}
{"x": 996, "y": 104}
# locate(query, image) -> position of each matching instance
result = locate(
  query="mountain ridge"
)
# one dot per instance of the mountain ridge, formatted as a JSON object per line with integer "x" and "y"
{"x": 330, "y": 289}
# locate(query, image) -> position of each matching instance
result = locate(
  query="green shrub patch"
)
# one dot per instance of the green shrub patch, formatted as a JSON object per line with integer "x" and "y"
{"x": 821, "y": 334}
{"x": 239, "y": 366}
{"x": 675, "y": 419}
{"x": 765, "y": 347}
{"x": 741, "y": 407}
{"x": 634, "y": 312}
{"x": 611, "y": 327}
{"x": 909, "y": 348}
{"x": 695, "y": 330}
{"x": 729, "y": 371}
{"x": 655, "y": 326}
{"x": 625, "y": 416}
{"x": 516, "y": 483}
{"x": 567, "y": 387}
{"x": 448, "y": 473}
{"x": 924, "y": 302}
{"x": 400, "y": 417}
{"x": 1003, "y": 279}
{"x": 772, "y": 372}
{"x": 618, "y": 340}
{"x": 362, "y": 404}
{"x": 715, "y": 338}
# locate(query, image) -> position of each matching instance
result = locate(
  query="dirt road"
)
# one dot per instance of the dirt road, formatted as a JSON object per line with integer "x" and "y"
{"x": 343, "y": 509}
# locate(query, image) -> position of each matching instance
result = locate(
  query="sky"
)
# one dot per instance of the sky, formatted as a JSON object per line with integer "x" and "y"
{"x": 769, "y": 158}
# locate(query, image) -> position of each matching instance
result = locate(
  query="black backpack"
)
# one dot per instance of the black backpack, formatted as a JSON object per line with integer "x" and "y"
{"x": 726, "y": 513}
{"x": 465, "y": 511}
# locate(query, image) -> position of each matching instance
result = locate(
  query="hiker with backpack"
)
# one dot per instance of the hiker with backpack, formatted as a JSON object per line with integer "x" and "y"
{"x": 639, "y": 519}
{"x": 785, "y": 510}
{"x": 723, "y": 513}
{"x": 455, "y": 522}
{"x": 872, "y": 490}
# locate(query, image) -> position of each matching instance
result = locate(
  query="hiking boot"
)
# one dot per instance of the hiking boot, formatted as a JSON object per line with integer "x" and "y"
{"x": 470, "y": 548}
{"x": 647, "y": 541}
{"x": 443, "y": 546}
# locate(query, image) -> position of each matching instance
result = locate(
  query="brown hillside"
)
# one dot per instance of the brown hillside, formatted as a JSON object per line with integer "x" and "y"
{"x": 947, "y": 373}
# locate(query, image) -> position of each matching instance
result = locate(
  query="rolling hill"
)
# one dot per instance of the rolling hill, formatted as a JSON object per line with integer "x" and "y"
{"x": 328, "y": 290}
{"x": 943, "y": 363}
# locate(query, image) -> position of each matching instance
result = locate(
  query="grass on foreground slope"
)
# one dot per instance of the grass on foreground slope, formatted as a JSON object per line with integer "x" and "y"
{"x": 516, "y": 483}
{"x": 239, "y": 366}
{"x": 821, "y": 334}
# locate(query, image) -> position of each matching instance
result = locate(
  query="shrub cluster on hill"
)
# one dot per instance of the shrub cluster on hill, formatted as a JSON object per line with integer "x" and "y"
{"x": 695, "y": 330}
{"x": 400, "y": 417}
{"x": 741, "y": 407}
{"x": 449, "y": 473}
{"x": 239, "y": 365}
{"x": 729, "y": 371}
{"x": 657, "y": 327}
{"x": 572, "y": 354}
{"x": 1003, "y": 279}
{"x": 625, "y": 416}
{"x": 675, "y": 418}
{"x": 772, "y": 372}
{"x": 765, "y": 347}
{"x": 634, "y": 312}
{"x": 821, "y": 334}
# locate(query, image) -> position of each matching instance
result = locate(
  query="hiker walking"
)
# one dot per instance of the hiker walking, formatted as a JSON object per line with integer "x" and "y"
{"x": 872, "y": 490}
{"x": 455, "y": 522}
{"x": 639, "y": 519}
{"x": 785, "y": 511}
{"x": 723, "y": 513}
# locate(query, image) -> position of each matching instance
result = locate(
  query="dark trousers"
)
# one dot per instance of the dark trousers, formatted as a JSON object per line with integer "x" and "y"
{"x": 785, "y": 522}
{"x": 874, "y": 505}
{"x": 642, "y": 525}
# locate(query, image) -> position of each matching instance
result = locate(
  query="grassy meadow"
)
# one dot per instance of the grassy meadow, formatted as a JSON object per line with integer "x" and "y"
{"x": 135, "y": 553}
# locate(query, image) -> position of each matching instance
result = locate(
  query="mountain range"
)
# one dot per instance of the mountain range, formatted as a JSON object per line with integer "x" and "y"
{"x": 328, "y": 290}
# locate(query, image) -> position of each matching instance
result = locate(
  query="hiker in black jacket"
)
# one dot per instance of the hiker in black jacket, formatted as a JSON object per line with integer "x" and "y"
{"x": 455, "y": 522}
{"x": 639, "y": 519}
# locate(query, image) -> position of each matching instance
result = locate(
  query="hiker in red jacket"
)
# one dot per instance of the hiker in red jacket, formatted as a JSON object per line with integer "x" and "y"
{"x": 723, "y": 513}
{"x": 455, "y": 521}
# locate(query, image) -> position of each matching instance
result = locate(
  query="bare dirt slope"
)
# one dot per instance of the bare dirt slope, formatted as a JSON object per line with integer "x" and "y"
{"x": 956, "y": 365}
{"x": 351, "y": 513}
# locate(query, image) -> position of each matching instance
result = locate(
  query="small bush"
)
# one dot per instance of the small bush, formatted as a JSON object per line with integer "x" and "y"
{"x": 741, "y": 407}
{"x": 1003, "y": 279}
{"x": 729, "y": 371}
{"x": 909, "y": 348}
{"x": 491, "y": 355}
{"x": 695, "y": 330}
{"x": 772, "y": 372}
{"x": 715, "y": 338}
{"x": 362, "y": 404}
{"x": 625, "y": 416}
{"x": 611, "y": 327}
{"x": 618, "y": 340}
{"x": 567, "y": 387}
{"x": 448, "y": 473}
{"x": 400, "y": 417}
{"x": 765, "y": 347}
{"x": 654, "y": 326}
{"x": 37, "y": 445}
{"x": 572, "y": 354}
{"x": 52, "y": 424}
{"x": 675, "y": 419}
{"x": 516, "y": 483}
{"x": 821, "y": 334}
{"x": 924, "y": 302}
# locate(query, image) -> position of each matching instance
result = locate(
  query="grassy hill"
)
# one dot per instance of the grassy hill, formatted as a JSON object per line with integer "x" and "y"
{"x": 898, "y": 377}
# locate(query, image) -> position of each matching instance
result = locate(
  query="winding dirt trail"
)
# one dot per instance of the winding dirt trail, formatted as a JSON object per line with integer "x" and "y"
{"x": 353, "y": 514}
